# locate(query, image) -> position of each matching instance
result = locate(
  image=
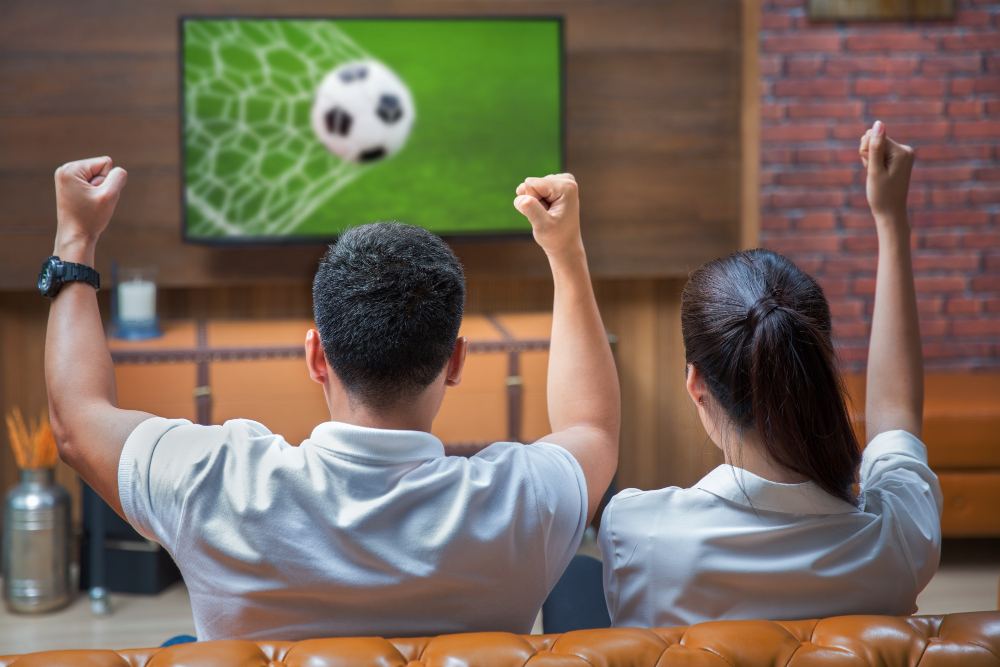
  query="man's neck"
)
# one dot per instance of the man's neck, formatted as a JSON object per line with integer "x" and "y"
{"x": 413, "y": 415}
{"x": 392, "y": 420}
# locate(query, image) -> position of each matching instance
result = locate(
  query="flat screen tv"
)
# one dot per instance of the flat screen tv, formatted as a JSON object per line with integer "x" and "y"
{"x": 296, "y": 129}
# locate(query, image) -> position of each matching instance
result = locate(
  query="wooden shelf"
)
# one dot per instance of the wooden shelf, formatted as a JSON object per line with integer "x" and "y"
{"x": 210, "y": 371}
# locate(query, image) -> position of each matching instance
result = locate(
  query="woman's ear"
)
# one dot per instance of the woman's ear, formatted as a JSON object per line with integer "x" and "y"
{"x": 457, "y": 362}
{"x": 698, "y": 391}
{"x": 696, "y": 386}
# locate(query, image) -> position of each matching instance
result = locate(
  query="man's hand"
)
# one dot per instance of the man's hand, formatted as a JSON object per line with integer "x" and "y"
{"x": 583, "y": 397}
{"x": 86, "y": 194}
{"x": 889, "y": 165}
{"x": 552, "y": 205}
{"x": 83, "y": 401}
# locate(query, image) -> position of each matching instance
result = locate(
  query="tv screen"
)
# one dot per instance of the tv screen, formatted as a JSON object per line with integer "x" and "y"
{"x": 296, "y": 129}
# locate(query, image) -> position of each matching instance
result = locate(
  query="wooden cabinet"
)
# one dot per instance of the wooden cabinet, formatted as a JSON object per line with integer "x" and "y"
{"x": 209, "y": 371}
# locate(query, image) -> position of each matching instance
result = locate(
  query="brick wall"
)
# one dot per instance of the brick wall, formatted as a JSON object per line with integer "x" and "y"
{"x": 937, "y": 87}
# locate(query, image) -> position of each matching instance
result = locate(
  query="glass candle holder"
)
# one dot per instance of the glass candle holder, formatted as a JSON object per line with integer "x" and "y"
{"x": 135, "y": 314}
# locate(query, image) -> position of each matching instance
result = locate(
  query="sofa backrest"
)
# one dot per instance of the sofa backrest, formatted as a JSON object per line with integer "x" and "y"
{"x": 968, "y": 639}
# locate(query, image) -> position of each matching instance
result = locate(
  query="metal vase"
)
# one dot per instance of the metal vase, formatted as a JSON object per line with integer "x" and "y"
{"x": 36, "y": 544}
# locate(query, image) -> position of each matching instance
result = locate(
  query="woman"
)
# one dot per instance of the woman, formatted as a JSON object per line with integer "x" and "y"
{"x": 798, "y": 523}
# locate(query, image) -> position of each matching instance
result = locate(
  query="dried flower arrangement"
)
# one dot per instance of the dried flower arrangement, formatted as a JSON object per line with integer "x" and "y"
{"x": 34, "y": 447}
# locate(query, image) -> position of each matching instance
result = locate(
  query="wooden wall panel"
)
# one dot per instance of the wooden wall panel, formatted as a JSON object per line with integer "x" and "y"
{"x": 482, "y": 384}
{"x": 23, "y": 318}
{"x": 293, "y": 407}
{"x": 750, "y": 128}
{"x": 154, "y": 388}
{"x": 115, "y": 27}
{"x": 653, "y": 109}
{"x": 662, "y": 440}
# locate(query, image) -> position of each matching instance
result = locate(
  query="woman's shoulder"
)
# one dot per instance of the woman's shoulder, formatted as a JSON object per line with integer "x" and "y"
{"x": 638, "y": 496}
{"x": 629, "y": 505}
{"x": 890, "y": 452}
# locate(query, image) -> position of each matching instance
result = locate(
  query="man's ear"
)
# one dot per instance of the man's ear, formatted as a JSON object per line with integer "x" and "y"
{"x": 457, "y": 361}
{"x": 316, "y": 357}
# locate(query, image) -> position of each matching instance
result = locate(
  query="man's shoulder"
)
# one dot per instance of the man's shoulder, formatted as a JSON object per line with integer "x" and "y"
{"x": 542, "y": 474}
{"x": 531, "y": 457}
{"x": 250, "y": 427}
{"x": 181, "y": 439}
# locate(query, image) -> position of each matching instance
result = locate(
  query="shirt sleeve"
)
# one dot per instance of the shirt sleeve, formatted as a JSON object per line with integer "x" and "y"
{"x": 548, "y": 485}
{"x": 162, "y": 462}
{"x": 895, "y": 475}
{"x": 561, "y": 496}
{"x": 608, "y": 544}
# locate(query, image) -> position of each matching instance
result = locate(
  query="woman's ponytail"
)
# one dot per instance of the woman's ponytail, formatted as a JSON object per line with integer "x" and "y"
{"x": 758, "y": 330}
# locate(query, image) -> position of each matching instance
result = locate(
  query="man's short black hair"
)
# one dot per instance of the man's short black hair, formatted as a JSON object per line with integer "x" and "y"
{"x": 388, "y": 300}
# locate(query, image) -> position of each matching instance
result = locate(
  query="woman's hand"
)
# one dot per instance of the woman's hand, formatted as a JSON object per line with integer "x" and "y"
{"x": 895, "y": 394}
{"x": 889, "y": 165}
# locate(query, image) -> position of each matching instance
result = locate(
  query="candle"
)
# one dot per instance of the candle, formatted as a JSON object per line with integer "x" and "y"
{"x": 137, "y": 300}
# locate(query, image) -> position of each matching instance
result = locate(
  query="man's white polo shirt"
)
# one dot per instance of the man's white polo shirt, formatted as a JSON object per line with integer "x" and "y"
{"x": 357, "y": 531}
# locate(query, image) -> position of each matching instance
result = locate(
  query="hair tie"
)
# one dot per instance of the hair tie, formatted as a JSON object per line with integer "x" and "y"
{"x": 763, "y": 307}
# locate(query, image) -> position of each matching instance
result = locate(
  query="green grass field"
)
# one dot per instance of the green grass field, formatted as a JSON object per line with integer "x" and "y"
{"x": 487, "y": 98}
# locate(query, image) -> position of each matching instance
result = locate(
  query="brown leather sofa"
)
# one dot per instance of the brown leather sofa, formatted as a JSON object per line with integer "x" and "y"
{"x": 962, "y": 433}
{"x": 969, "y": 640}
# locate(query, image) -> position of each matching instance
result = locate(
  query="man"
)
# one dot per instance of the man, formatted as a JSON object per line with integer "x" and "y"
{"x": 366, "y": 528}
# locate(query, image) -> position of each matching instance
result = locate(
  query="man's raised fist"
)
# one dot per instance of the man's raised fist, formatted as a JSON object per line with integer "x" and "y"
{"x": 86, "y": 194}
{"x": 552, "y": 205}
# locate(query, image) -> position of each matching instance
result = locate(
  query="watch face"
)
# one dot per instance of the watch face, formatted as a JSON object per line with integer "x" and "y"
{"x": 46, "y": 279}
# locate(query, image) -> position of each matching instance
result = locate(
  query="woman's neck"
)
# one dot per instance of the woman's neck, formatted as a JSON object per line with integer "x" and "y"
{"x": 745, "y": 451}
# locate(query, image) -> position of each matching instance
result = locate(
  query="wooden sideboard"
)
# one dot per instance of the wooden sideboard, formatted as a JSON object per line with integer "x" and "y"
{"x": 209, "y": 371}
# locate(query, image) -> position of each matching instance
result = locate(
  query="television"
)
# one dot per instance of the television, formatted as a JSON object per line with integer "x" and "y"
{"x": 297, "y": 129}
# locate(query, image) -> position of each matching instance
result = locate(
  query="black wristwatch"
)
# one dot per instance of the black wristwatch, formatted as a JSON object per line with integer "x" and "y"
{"x": 56, "y": 272}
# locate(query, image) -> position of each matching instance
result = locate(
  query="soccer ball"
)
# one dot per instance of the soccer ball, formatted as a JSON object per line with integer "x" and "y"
{"x": 362, "y": 112}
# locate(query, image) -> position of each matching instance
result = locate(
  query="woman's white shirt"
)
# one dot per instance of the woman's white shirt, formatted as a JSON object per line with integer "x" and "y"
{"x": 737, "y": 546}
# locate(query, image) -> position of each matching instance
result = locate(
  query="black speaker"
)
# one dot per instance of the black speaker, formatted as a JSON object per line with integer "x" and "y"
{"x": 131, "y": 563}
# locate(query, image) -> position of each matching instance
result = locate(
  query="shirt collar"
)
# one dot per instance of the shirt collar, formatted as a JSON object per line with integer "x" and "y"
{"x": 745, "y": 488}
{"x": 377, "y": 443}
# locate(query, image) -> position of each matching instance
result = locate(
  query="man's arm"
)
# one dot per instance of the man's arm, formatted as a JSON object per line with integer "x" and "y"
{"x": 895, "y": 384}
{"x": 583, "y": 397}
{"x": 83, "y": 401}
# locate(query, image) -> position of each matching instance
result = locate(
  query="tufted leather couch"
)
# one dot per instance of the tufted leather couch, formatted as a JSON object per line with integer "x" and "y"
{"x": 962, "y": 433}
{"x": 969, "y": 640}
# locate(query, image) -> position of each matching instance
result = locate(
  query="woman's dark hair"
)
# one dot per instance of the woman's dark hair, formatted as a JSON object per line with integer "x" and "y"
{"x": 758, "y": 330}
{"x": 388, "y": 301}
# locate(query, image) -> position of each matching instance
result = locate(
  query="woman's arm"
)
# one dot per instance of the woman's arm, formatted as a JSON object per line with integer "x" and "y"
{"x": 895, "y": 384}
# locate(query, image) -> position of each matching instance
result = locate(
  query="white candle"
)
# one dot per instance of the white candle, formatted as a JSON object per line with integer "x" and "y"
{"x": 136, "y": 300}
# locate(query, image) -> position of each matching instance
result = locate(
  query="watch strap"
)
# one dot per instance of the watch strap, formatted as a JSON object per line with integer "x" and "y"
{"x": 73, "y": 272}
